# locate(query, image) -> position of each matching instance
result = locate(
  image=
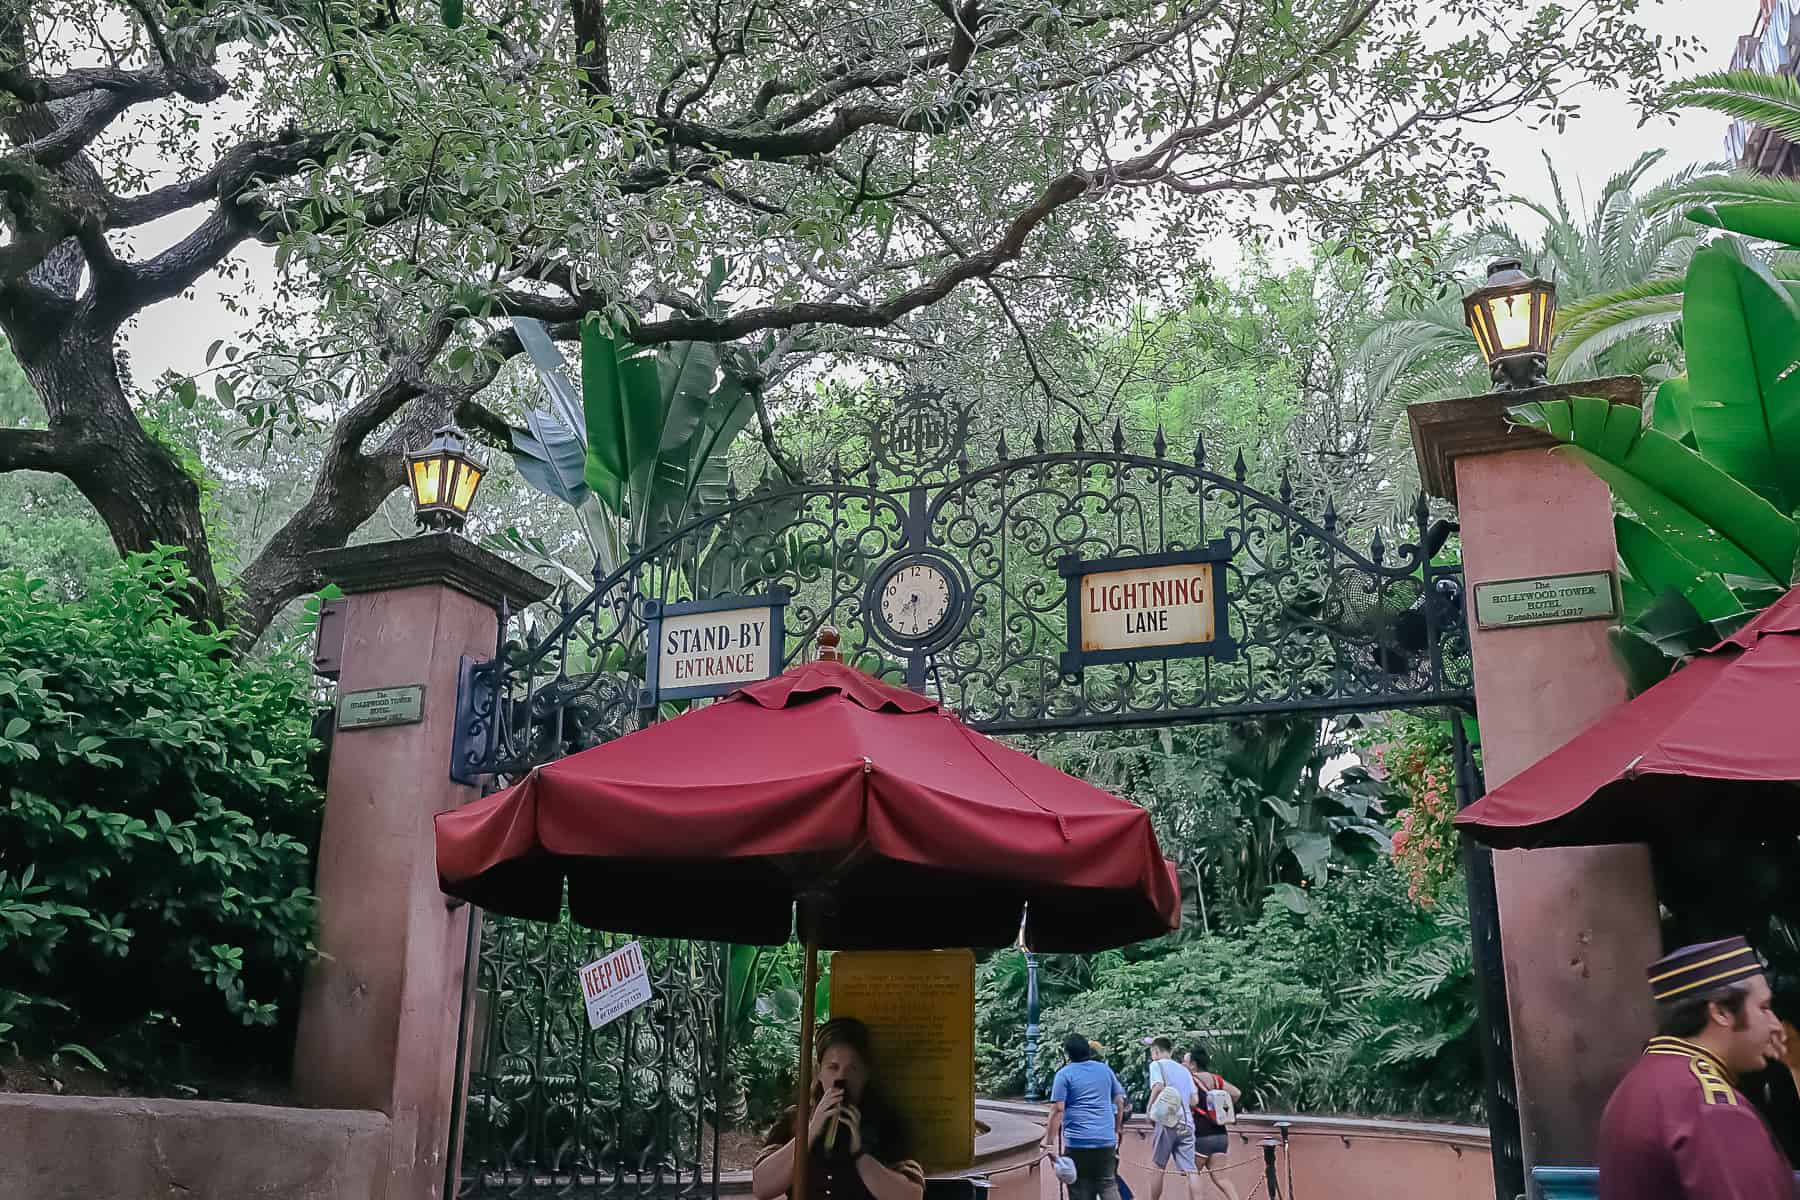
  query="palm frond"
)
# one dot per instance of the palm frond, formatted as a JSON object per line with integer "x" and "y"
{"x": 1771, "y": 101}
{"x": 1625, "y": 182}
{"x": 1577, "y": 362}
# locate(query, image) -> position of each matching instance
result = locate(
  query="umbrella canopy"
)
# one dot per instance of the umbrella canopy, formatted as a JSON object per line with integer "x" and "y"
{"x": 1712, "y": 748}
{"x": 823, "y": 781}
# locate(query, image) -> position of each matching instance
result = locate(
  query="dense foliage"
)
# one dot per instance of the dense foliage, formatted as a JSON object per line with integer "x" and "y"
{"x": 916, "y": 189}
{"x": 155, "y": 817}
{"x": 1364, "y": 1003}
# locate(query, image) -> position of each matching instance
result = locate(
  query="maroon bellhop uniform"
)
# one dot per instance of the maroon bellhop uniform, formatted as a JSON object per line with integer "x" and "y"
{"x": 1678, "y": 1129}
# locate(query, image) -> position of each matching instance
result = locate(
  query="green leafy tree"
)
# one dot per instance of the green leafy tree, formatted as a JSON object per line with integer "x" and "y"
{"x": 915, "y": 183}
{"x": 155, "y": 818}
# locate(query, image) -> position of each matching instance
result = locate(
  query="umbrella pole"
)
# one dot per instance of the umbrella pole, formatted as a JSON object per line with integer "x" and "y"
{"x": 803, "y": 1108}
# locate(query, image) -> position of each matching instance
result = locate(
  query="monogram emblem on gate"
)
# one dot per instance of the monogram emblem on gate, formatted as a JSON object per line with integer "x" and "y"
{"x": 923, "y": 435}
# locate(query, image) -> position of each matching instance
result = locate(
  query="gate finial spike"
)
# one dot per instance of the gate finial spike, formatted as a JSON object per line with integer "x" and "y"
{"x": 1037, "y": 439}
{"x": 1287, "y": 489}
{"x": 1377, "y": 548}
{"x": 1330, "y": 515}
{"x": 1080, "y": 437}
{"x": 962, "y": 460}
{"x": 1422, "y": 511}
{"x": 837, "y": 469}
{"x": 1238, "y": 469}
{"x": 1199, "y": 448}
{"x": 1000, "y": 449}
{"x": 1118, "y": 435}
{"x": 874, "y": 474}
{"x": 1161, "y": 444}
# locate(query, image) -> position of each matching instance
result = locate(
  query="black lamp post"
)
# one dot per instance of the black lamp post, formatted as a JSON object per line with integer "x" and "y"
{"x": 1032, "y": 1028}
{"x": 1511, "y": 318}
{"x": 443, "y": 477}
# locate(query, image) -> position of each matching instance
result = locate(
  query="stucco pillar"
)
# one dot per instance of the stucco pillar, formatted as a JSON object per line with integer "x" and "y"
{"x": 1577, "y": 925}
{"x": 382, "y": 1005}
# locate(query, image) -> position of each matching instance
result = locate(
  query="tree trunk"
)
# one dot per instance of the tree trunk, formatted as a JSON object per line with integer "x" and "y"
{"x": 134, "y": 482}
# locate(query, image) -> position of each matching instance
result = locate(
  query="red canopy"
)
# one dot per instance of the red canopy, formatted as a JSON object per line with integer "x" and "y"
{"x": 922, "y": 832}
{"x": 1713, "y": 748}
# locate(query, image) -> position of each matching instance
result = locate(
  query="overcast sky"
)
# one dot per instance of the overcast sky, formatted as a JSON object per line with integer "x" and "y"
{"x": 1603, "y": 141}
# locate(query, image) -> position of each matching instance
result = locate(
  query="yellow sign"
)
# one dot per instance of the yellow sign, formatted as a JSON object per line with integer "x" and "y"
{"x": 1148, "y": 606}
{"x": 920, "y": 1010}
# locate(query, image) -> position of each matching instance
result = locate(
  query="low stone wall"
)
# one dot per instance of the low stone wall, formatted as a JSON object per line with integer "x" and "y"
{"x": 1330, "y": 1158}
{"x": 98, "y": 1148}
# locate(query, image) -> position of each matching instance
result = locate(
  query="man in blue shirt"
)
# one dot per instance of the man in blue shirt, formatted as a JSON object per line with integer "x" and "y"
{"x": 1087, "y": 1111}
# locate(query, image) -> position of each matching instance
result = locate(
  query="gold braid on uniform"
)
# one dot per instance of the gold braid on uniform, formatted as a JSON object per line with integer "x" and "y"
{"x": 1714, "y": 1079}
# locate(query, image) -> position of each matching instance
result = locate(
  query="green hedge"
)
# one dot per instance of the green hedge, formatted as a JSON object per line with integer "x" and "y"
{"x": 155, "y": 820}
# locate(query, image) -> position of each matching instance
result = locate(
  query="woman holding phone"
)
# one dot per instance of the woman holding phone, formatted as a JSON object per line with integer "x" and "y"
{"x": 857, "y": 1143}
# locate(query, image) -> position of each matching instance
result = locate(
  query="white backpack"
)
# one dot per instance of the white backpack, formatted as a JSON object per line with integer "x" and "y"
{"x": 1223, "y": 1111}
{"x": 1167, "y": 1108}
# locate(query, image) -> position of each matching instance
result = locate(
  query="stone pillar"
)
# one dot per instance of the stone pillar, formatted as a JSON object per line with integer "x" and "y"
{"x": 382, "y": 1005}
{"x": 1578, "y": 925}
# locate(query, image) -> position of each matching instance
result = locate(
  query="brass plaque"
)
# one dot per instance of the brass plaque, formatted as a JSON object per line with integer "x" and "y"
{"x": 377, "y": 707}
{"x": 920, "y": 1010}
{"x": 1550, "y": 600}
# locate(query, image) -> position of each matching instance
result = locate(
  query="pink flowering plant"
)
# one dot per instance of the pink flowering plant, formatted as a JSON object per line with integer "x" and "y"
{"x": 1417, "y": 762}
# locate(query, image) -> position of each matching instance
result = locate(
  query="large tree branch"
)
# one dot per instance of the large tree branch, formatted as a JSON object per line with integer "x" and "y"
{"x": 199, "y": 84}
{"x": 32, "y": 450}
{"x": 86, "y": 113}
{"x": 1061, "y": 191}
{"x": 234, "y": 217}
{"x": 822, "y": 139}
{"x": 353, "y": 481}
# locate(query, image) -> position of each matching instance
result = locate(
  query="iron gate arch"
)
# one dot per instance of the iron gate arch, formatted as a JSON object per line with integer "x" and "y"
{"x": 1322, "y": 627}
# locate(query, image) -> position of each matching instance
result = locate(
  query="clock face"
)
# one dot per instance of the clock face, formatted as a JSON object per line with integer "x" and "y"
{"x": 915, "y": 601}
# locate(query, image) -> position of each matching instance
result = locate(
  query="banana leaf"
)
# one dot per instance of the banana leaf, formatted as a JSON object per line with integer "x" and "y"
{"x": 1717, "y": 523}
{"x": 1669, "y": 410}
{"x": 1770, "y": 220}
{"x": 1666, "y": 632}
{"x": 1659, "y": 567}
{"x": 551, "y": 458}
{"x": 1743, "y": 339}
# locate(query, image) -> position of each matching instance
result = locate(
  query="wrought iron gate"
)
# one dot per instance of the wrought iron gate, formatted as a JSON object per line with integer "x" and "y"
{"x": 1320, "y": 627}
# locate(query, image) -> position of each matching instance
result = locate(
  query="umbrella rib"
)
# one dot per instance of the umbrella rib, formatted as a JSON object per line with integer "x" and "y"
{"x": 975, "y": 739}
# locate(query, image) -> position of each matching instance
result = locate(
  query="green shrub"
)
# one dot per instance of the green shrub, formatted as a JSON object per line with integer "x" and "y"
{"x": 1364, "y": 1003}
{"x": 155, "y": 815}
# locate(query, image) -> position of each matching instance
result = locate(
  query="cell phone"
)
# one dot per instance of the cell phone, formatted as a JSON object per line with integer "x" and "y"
{"x": 837, "y": 1119}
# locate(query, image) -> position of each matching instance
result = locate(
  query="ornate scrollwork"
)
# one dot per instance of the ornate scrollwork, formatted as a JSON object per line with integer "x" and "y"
{"x": 1321, "y": 626}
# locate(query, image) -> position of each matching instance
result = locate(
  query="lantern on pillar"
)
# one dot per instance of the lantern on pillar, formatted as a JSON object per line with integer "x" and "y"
{"x": 443, "y": 477}
{"x": 1511, "y": 318}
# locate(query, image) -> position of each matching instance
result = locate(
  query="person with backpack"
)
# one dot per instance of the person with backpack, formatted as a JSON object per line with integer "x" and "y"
{"x": 1172, "y": 1113}
{"x": 1215, "y": 1107}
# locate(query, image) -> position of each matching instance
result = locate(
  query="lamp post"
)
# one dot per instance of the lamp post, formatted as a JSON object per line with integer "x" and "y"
{"x": 1032, "y": 1028}
{"x": 443, "y": 477}
{"x": 1511, "y": 317}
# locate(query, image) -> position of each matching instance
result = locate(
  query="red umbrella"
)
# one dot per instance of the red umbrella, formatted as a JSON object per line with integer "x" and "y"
{"x": 922, "y": 832}
{"x": 895, "y": 825}
{"x": 1643, "y": 770}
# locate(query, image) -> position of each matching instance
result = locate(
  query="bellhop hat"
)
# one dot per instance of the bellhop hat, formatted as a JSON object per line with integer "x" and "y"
{"x": 1706, "y": 965}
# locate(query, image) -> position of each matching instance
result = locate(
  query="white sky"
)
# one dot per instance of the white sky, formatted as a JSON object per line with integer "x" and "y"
{"x": 1603, "y": 141}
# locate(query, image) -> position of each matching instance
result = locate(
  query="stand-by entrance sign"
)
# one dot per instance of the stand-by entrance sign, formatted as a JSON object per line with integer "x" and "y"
{"x": 711, "y": 647}
{"x": 1147, "y": 606}
{"x": 614, "y": 985}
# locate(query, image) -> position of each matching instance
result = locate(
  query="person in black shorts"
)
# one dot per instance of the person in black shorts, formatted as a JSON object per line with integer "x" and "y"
{"x": 1211, "y": 1139}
